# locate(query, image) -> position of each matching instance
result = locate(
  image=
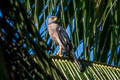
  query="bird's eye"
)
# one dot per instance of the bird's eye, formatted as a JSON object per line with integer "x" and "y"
{"x": 54, "y": 18}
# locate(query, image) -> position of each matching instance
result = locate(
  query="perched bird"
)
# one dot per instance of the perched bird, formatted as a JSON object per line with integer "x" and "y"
{"x": 60, "y": 37}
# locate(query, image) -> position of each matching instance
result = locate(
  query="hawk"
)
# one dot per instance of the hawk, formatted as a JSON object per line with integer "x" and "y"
{"x": 60, "y": 37}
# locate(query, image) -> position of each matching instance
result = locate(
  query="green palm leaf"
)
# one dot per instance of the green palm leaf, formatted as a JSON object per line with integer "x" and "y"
{"x": 25, "y": 44}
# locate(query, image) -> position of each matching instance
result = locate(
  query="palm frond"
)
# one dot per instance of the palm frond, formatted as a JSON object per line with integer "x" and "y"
{"x": 25, "y": 44}
{"x": 93, "y": 70}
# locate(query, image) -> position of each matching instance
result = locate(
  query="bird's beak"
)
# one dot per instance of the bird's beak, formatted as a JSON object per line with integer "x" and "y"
{"x": 55, "y": 19}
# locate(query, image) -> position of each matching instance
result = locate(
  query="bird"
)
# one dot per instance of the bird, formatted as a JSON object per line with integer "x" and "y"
{"x": 60, "y": 37}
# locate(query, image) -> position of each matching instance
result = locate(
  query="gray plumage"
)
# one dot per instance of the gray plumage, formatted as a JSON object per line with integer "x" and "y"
{"x": 60, "y": 37}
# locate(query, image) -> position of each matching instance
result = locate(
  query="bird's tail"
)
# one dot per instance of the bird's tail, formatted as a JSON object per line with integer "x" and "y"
{"x": 75, "y": 60}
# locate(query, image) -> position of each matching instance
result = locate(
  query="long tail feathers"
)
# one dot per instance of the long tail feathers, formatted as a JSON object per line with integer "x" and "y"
{"x": 76, "y": 61}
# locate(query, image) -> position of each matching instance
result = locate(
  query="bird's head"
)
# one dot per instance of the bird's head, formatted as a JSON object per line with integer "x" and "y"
{"x": 52, "y": 19}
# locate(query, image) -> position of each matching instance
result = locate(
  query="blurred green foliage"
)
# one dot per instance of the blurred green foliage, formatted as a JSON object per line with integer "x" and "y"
{"x": 96, "y": 23}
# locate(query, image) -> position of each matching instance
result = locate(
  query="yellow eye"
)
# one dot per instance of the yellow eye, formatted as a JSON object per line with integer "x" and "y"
{"x": 54, "y": 18}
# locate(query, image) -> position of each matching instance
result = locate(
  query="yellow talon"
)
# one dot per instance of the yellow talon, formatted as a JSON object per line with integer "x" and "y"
{"x": 59, "y": 53}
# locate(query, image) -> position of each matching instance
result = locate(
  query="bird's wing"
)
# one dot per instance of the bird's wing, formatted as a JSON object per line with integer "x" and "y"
{"x": 63, "y": 36}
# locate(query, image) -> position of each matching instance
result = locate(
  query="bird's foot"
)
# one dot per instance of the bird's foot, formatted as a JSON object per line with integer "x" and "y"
{"x": 60, "y": 55}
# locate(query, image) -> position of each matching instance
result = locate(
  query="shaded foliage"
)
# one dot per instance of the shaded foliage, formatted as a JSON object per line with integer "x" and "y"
{"x": 24, "y": 40}
{"x": 16, "y": 38}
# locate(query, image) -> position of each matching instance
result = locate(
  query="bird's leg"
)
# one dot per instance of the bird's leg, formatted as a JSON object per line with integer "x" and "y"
{"x": 59, "y": 52}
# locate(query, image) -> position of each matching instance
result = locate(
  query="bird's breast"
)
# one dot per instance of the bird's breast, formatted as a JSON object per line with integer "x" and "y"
{"x": 54, "y": 35}
{"x": 52, "y": 31}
